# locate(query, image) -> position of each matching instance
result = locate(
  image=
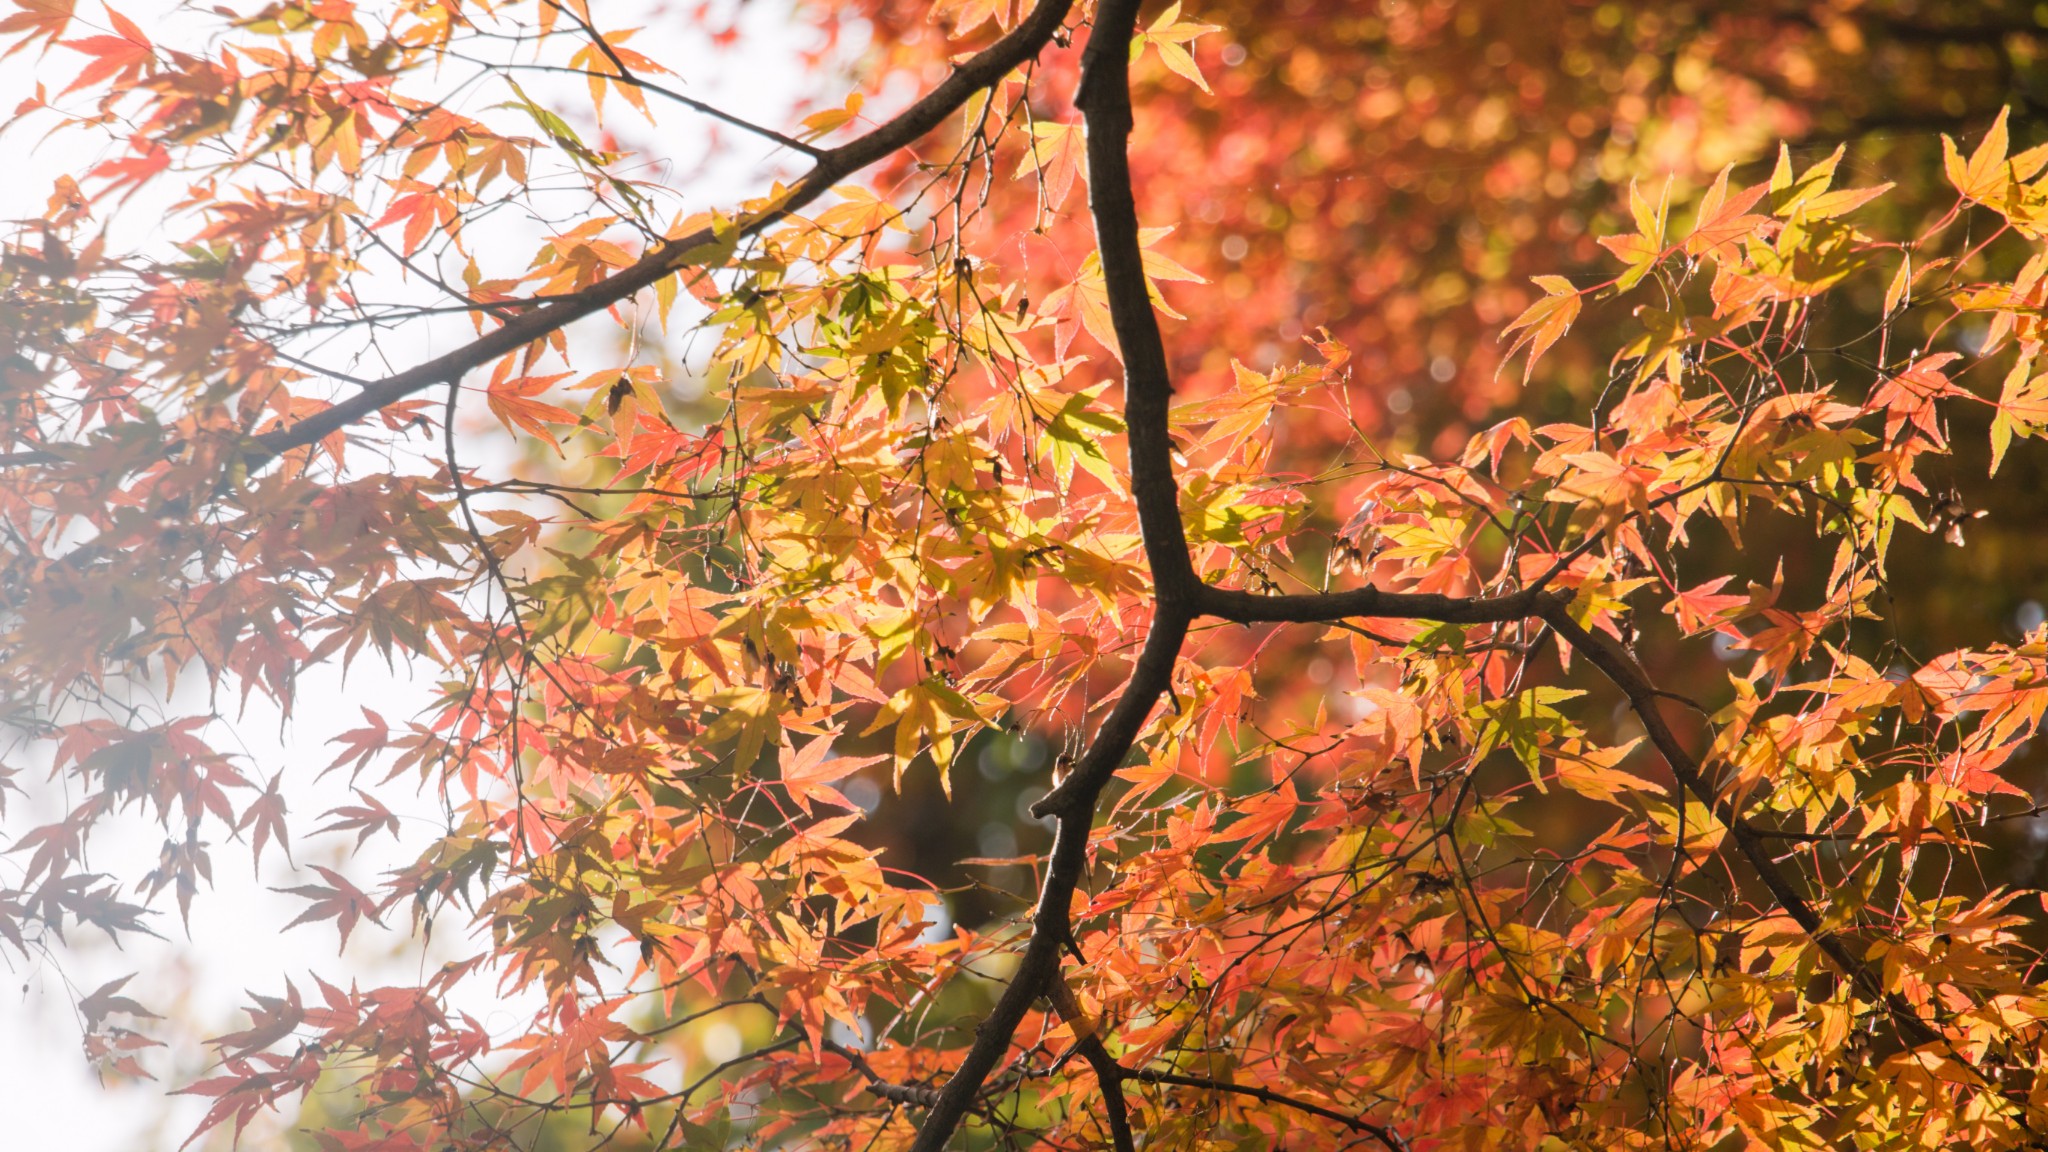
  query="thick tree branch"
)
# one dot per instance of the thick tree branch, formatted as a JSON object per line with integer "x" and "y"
{"x": 1050, "y": 925}
{"x": 1621, "y": 668}
{"x": 1105, "y": 102}
{"x": 1111, "y": 1076}
{"x": 1179, "y": 594}
{"x": 1330, "y": 607}
{"x": 1105, "y": 106}
{"x": 984, "y": 69}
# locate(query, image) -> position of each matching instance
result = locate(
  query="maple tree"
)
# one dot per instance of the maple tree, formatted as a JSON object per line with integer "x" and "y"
{"x": 1471, "y": 789}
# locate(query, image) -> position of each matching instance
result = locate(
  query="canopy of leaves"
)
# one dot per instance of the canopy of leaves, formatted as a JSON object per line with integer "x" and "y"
{"x": 1552, "y": 755}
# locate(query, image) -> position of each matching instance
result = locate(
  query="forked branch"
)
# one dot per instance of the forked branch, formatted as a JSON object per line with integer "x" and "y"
{"x": 1180, "y": 595}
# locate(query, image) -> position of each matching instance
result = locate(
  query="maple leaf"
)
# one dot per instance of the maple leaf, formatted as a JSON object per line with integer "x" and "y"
{"x": 577, "y": 1049}
{"x": 422, "y": 210}
{"x": 365, "y": 819}
{"x": 266, "y": 814}
{"x": 808, "y": 773}
{"x": 147, "y": 160}
{"x": 1612, "y": 484}
{"x": 1260, "y": 816}
{"x": 1593, "y": 773}
{"x": 1665, "y": 337}
{"x": 1840, "y": 202}
{"x": 1643, "y": 248}
{"x": 36, "y": 19}
{"x": 1526, "y": 724}
{"x": 1491, "y": 444}
{"x": 1087, "y": 298}
{"x": 652, "y": 443}
{"x": 1236, "y": 415}
{"x": 600, "y": 64}
{"x": 1807, "y": 198}
{"x": 244, "y": 1091}
{"x": 2022, "y": 408}
{"x": 861, "y": 213}
{"x": 361, "y": 745}
{"x": 1169, "y": 35}
{"x": 1789, "y": 192}
{"x": 98, "y": 906}
{"x": 342, "y": 902}
{"x": 1545, "y": 321}
{"x": 512, "y": 401}
{"x": 1983, "y": 177}
{"x": 271, "y": 1020}
{"x": 120, "y": 58}
{"x": 1723, "y": 219}
{"x": 819, "y": 124}
{"x": 106, "y": 1000}
{"x": 925, "y": 716}
{"x": 1058, "y": 153}
{"x": 1908, "y": 396}
{"x": 1706, "y": 607}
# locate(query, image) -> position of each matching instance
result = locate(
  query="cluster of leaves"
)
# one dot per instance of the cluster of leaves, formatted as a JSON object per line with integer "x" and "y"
{"x": 1398, "y": 172}
{"x": 1427, "y": 860}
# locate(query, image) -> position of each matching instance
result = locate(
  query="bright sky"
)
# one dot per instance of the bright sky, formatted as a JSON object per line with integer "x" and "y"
{"x": 238, "y": 941}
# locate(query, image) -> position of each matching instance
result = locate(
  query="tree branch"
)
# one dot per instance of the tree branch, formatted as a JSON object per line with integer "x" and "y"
{"x": 1111, "y": 1075}
{"x": 1050, "y": 926}
{"x": 1104, "y": 101}
{"x": 1621, "y": 668}
{"x": 626, "y": 75}
{"x": 1179, "y": 594}
{"x": 1384, "y": 1135}
{"x": 692, "y": 103}
{"x": 984, "y": 69}
{"x": 1330, "y": 607}
{"x": 878, "y": 1086}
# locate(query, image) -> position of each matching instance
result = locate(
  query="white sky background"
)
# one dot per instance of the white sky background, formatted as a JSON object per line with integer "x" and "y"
{"x": 48, "y": 1095}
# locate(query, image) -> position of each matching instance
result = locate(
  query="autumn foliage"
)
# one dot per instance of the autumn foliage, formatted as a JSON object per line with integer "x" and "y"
{"x": 1454, "y": 695}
